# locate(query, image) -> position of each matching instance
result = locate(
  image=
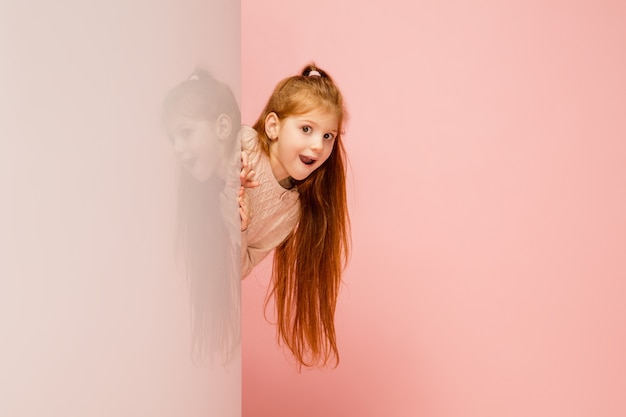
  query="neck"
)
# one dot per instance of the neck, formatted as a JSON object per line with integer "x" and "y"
{"x": 286, "y": 183}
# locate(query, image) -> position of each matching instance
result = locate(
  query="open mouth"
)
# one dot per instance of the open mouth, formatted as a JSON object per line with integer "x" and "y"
{"x": 307, "y": 160}
{"x": 189, "y": 163}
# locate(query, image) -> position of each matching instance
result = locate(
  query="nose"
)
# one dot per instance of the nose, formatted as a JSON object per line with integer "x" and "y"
{"x": 179, "y": 145}
{"x": 317, "y": 142}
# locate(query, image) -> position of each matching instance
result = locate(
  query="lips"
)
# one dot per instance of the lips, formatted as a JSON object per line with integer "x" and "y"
{"x": 189, "y": 162}
{"x": 307, "y": 160}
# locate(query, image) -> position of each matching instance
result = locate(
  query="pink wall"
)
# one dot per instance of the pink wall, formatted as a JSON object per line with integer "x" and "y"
{"x": 488, "y": 190}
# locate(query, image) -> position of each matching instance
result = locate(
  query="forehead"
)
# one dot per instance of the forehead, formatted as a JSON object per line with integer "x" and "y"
{"x": 180, "y": 121}
{"x": 181, "y": 118}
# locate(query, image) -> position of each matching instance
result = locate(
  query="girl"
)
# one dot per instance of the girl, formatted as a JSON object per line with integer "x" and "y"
{"x": 203, "y": 120}
{"x": 298, "y": 208}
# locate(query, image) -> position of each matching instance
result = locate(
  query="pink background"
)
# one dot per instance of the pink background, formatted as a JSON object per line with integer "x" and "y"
{"x": 487, "y": 192}
{"x": 487, "y": 145}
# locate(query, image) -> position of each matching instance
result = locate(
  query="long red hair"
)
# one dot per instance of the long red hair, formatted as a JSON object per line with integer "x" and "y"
{"x": 307, "y": 268}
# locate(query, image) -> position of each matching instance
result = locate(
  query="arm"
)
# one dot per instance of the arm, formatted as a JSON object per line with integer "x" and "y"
{"x": 250, "y": 256}
{"x": 248, "y": 180}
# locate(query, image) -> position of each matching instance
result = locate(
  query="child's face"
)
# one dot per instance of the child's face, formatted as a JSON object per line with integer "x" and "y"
{"x": 196, "y": 145}
{"x": 302, "y": 143}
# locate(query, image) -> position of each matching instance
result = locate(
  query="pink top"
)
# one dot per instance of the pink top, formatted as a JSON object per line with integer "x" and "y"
{"x": 274, "y": 210}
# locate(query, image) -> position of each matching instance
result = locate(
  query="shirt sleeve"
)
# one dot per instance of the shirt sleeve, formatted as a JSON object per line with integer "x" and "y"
{"x": 251, "y": 256}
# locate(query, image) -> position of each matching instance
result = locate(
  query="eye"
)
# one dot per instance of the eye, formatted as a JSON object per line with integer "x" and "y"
{"x": 329, "y": 136}
{"x": 185, "y": 132}
{"x": 306, "y": 129}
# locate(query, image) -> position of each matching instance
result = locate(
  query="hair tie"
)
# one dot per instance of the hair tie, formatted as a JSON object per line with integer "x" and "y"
{"x": 314, "y": 73}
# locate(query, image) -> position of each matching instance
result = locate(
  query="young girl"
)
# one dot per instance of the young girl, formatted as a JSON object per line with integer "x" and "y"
{"x": 203, "y": 120}
{"x": 298, "y": 208}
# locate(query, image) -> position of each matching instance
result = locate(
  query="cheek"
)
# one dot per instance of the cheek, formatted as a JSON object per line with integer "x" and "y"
{"x": 323, "y": 160}
{"x": 205, "y": 144}
{"x": 328, "y": 151}
{"x": 203, "y": 136}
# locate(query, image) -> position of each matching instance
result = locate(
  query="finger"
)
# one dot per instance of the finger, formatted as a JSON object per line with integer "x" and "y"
{"x": 245, "y": 220}
{"x": 243, "y": 177}
{"x": 251, "y": 184}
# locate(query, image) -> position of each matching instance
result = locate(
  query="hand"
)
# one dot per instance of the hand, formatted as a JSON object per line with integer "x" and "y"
{"x": 244, "y": 209}
{"x": 247, "y": 172}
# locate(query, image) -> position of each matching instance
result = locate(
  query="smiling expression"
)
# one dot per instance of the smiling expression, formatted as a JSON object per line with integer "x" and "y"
{"x": 300, "y": 144}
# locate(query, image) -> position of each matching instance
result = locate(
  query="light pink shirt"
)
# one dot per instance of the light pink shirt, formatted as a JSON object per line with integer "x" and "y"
{"x": 274, "y": 210}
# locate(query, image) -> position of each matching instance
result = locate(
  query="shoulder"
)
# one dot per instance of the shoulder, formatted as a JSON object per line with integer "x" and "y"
{"x": 249, "y": 139}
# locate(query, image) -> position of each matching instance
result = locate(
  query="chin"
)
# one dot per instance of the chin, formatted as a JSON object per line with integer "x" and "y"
{"x": 300, "y": 177}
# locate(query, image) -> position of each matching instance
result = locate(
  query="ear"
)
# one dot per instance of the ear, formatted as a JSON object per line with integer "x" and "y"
{"x": 272, "y": 126}
{"x": 223, "y": 126}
